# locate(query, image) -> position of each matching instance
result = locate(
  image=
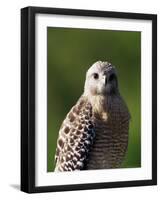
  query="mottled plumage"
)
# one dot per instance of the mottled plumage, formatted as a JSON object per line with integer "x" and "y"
{"x": 94, "y": 135}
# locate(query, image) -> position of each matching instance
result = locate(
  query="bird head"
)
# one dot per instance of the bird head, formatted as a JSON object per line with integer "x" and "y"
{"x": 101, "y": 79}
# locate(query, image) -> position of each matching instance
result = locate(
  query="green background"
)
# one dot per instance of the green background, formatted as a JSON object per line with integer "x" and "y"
{"x": 70, "y": 53}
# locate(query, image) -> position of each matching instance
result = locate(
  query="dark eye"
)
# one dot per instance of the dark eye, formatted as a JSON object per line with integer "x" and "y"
{"x": 112, "y": 77}
{"x": 95, "y": 76}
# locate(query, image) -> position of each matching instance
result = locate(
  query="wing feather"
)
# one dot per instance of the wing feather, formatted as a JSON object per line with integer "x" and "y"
{"x": 76, "y": 136}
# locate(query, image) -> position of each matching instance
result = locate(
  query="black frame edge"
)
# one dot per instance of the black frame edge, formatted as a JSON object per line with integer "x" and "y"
{"x": 27, "y": 100}
{"x": 154, "y": 99}
{"x": 24, "y": 100}
{"x": 92, "y": 186}
{"x": 92, "y": 13}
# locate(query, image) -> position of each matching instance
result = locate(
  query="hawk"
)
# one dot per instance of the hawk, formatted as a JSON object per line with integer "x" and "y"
{"x": 94, "y": 134}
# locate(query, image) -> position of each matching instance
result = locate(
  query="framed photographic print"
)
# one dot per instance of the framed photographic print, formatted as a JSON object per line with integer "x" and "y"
{"x": 88, "y": 99}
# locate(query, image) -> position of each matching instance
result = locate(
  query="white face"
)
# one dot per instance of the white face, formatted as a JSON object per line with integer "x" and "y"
{"x": 101, "y": 79}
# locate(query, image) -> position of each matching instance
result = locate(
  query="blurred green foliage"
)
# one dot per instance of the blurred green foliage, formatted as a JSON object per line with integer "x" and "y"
{"x": 70, "y": 53}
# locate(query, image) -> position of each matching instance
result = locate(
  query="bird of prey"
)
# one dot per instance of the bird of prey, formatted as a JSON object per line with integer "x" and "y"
{"x": 94, "y": 134}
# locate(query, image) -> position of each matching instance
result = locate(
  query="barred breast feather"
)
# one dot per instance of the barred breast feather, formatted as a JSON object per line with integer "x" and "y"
{"x": 111, "y": 141}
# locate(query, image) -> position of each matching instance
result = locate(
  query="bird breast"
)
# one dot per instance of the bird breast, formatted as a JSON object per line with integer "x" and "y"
{"x": 111, "y": 138}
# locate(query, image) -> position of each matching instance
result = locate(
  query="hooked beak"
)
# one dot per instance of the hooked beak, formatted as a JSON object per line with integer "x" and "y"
{"x": 105, "y": 79}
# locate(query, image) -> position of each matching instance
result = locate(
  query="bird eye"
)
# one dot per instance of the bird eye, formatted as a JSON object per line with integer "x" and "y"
{"x": 112, "y": 77}
{"x": 95, "y": 76}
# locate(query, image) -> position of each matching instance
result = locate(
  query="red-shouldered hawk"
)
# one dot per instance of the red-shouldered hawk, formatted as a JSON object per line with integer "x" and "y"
{"x": 94, "y": 134}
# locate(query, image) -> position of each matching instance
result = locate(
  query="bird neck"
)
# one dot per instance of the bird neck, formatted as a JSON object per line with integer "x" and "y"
{"x": 102, "y": 105}
{"x": 99, "y": 105}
